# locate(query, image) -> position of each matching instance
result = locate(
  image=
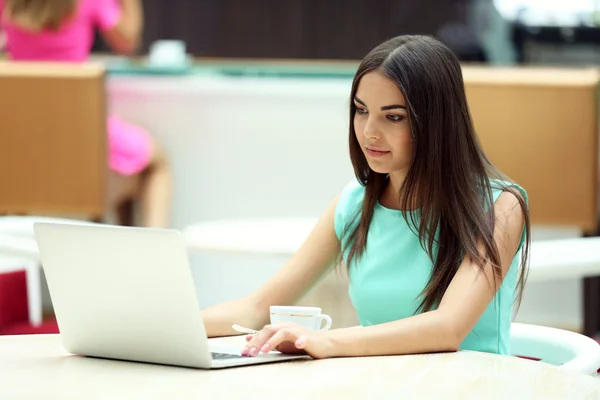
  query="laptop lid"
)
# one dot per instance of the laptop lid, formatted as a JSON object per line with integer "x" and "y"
{"x": 124, "y": 293}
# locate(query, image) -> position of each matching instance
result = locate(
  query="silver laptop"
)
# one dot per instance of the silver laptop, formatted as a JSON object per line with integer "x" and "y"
{"x": 128, "y": 294}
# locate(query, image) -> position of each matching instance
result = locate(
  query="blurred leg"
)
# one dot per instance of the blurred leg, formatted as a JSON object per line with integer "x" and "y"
{"x": 156, "y": 190}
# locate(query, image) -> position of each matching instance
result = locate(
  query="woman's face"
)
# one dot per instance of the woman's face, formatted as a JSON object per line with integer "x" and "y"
{"x": 381, "y": 124}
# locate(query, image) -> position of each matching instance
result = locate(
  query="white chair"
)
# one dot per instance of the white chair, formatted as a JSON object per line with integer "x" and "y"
{"x": 19, "y": 250}
{"x": 574, "y": 258}
{"x": 19, "y": 246}
{"x": 22, "y": 225}
{"x": 281, "y": 236}
{"x": 568, "y": 350}
{"x": 17, "y": 236}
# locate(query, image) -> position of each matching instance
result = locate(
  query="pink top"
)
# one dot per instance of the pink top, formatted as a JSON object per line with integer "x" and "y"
{"x": 130, "y": 147}
{"x": 71, "y": 42}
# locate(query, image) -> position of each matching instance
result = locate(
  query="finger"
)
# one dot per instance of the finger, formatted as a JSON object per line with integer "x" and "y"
{"x": 283, "y": 335}
{"x": 258, "y": 340}
{"x": 301, "y": 342}
{"x": 245, "y": 350}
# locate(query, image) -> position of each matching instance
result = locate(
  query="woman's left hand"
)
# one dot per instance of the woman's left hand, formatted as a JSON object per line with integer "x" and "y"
{"x": 289, "y": 338}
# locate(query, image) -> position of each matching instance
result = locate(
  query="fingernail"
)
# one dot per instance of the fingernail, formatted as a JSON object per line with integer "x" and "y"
{"x": 266, "y": 348}
{"x": 300, "y": 342}
{"x": 253, "y": 352}
{"x": 245, "y": 351}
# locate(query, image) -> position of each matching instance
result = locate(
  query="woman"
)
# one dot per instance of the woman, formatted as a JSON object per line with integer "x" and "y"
{"x": 431, "y": 232}
{"x": 63, "y": 30}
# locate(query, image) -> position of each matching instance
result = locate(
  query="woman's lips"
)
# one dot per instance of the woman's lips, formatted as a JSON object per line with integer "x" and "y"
{"x": 376, "y": 152}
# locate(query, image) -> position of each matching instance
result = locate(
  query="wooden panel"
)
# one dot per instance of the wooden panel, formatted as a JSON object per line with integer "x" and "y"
{"x": 53, "y": 155}
{"x": 540, "y": 128}
{"x": 310, "y": 29}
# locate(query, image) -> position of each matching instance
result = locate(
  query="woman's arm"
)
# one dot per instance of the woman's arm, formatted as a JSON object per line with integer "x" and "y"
{"x": 312, "y": 260}
{"x": 465, "y": 300}
{"x": 443, "y": 329}
{"x": 124, "y": 37}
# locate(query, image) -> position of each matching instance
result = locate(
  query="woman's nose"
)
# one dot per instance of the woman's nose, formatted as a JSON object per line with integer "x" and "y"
{"x": 371, "y": 130}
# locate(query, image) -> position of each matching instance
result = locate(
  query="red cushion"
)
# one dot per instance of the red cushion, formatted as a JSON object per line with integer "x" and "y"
{"x": 24, "y": 328}
{"x": 13, "y": 298}
{"x": 14, "y": 311}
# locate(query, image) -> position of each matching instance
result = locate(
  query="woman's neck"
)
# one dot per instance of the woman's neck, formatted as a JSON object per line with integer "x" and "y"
{"x": 390, "y": 198}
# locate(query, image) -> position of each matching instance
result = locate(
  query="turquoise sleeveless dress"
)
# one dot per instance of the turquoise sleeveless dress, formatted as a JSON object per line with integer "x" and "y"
{"x": 386, "y": 281}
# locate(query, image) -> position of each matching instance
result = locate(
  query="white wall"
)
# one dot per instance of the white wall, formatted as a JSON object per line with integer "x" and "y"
{"x": 244, "y": 148}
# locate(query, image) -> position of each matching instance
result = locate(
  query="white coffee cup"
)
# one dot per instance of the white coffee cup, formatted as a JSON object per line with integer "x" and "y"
{"x": 167, "y": 53}
{"x": 309, "y": 318}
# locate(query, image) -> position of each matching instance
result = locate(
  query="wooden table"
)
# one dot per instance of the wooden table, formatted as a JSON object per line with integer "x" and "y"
{"x": 37, "y": 367}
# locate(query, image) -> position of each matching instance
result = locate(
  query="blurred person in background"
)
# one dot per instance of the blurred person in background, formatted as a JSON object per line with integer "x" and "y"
{"x": 494, "y": 32}
{"x": 63, "y": 31}
{"x": 478, "y": 33}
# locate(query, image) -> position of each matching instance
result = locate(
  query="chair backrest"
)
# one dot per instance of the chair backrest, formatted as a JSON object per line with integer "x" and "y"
{"x": 53, "y": 151}
{"x": 569, "y": 350}
{"x": 571, "y": 258}
{"x": 540, "y": 127}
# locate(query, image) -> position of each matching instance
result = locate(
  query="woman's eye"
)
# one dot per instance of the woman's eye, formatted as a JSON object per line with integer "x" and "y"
{"x": 360, "y": 110}
{"x": 395, "y": 118}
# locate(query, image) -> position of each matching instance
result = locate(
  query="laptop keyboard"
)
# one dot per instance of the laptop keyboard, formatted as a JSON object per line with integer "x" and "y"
{"x": 225, "y": 356}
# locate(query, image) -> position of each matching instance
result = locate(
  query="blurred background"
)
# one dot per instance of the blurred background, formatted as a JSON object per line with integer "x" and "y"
{"x": 248, "y": 103}
{"x": 498, "y": 31}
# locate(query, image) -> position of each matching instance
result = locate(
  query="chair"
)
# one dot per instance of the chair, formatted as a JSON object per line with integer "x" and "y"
{"x": 19, "y": 253}
{"x": 11, "y": 305}
{"x": 53, "y": 157}
{"x": 21, "y": 227}
{"x": 565, "y": 259}
{"x": 568, "y": 350}
{"x": 281, "y": 236}
{"x": 20, "y": 308}
{"x": 576, "y": 258}
{"x": 543, "y": 103}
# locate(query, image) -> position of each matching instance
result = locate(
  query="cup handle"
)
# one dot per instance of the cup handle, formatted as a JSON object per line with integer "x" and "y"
{"x": 327, "y": 319}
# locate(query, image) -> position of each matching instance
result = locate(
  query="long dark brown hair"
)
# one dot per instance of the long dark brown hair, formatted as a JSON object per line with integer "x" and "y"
{"x": 40, "y": 14}
{"x": 450, "y": 177}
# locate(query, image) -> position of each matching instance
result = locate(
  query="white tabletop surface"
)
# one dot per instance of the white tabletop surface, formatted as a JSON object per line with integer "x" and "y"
{"x": 37, "y": 367}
